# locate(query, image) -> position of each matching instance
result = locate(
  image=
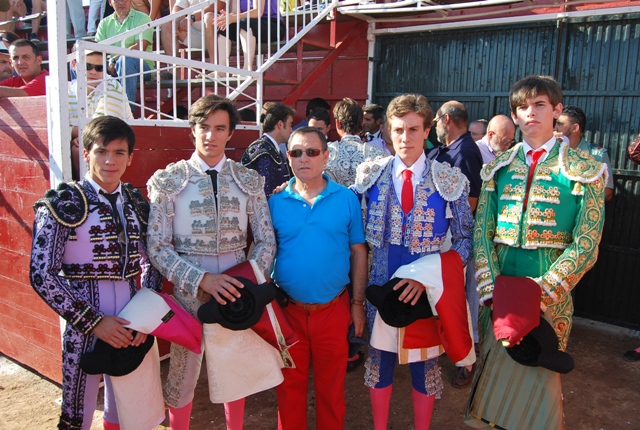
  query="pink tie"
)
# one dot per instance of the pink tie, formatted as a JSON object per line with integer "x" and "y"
{"x": 407, "y": 191}
{"x": 535, "y": 157}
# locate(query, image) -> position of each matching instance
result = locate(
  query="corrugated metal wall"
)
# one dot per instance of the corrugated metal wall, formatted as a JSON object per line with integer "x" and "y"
{"x": 597, "y": 62}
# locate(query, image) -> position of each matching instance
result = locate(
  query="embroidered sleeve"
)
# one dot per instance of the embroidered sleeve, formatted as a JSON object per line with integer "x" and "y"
{"x": 580, "y": 256}
{"x": 49, "y": 239}
{"x": 263, "y": 234}
{"x": 177, "y": 270}
{"x": 461, "y": 225}
{"x": 484, "y": 230}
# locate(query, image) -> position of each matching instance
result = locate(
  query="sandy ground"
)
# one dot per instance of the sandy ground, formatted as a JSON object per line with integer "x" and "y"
{"x": 603, "y": 392}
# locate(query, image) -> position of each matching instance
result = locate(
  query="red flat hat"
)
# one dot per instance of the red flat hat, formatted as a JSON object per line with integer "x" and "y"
{"x": 516, "y": 307}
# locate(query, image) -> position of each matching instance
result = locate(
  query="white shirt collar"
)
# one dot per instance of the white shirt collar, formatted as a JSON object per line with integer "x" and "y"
{"x": 548, "y": 145}
{"x": 98, "y": 188}
{"x": 204, "y": 166}
{"x": 417, "y": 169}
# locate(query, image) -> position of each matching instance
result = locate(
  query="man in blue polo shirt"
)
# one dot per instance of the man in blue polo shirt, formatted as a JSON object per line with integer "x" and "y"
{"x": 320, "y": 236}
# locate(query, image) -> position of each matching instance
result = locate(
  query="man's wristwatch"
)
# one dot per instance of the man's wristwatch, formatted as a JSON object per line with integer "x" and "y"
{"x": 357, "y": 302}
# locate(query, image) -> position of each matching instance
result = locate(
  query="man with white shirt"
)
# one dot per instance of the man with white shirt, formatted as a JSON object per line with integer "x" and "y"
{"x": 201, "y": 210}
{"x": 411, "y": 204}
{"x": 264, "y": 154}
{"x": 539, "y": 216}
{"x": 499, "y": 137}
{"x": 373, "y": 117}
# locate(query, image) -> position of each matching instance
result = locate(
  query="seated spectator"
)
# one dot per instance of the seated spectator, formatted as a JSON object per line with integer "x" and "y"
{"x": 26, "y": 61}
{"x": 96, "y": 12}
{"x": 8, "y": 37}
{"x": 104, "y": 97}
{"x": 317, "y": 102}
{"x": 76, "y": 18}
{"x": 270, "y": 22}
{"x": 192, "y": 24}
{"x": 153, "y": 8}
{"x": 37, "y": 7}
{"x": 122, "y": 20}
{"x": 6, "y": 69}
{"x": 16, "y": 9}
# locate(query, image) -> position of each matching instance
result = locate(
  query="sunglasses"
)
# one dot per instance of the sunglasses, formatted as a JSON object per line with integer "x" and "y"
{"x": 311, "y": 152}
{"x": 97, "y": 67}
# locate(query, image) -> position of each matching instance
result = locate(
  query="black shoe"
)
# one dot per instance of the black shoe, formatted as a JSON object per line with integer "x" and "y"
{"x": 463, "y": 377}
{"x": 632, "y": 355}
{"x": 34, "y": 38}
{"x": 354, "y": 364}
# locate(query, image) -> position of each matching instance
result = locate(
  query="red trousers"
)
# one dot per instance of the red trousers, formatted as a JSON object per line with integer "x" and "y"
{"x": 323, "y": 343}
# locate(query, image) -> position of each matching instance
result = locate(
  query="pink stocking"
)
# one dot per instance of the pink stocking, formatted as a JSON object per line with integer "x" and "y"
{"x": 380, "y": 401}
{"x": 422, "y": 409}
{"x": 234, "y": 414}
{"x": 179, "y": 418}
{"x": 110, "y": 426}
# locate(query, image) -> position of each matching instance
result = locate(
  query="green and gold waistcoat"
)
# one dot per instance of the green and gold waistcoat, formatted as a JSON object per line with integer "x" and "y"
{"x": 554, "y": 240}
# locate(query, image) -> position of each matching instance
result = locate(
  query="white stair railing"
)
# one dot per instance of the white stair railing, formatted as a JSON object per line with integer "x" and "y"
{"x": 191, "y": 75}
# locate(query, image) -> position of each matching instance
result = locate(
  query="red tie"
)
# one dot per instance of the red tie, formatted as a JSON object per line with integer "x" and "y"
{"x": 407, "y": 191}
{"x": 535, "y": 157}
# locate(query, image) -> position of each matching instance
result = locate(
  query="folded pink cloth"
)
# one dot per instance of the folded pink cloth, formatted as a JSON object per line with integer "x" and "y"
{"x": 516, "y": 307}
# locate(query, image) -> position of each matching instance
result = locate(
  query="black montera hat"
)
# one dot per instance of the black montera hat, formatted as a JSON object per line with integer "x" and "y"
{"x": 245, "y": 312}
{"x": 540, "y": 348}
{"x": 393, "y": 311}
{"x": 105, "y": 359}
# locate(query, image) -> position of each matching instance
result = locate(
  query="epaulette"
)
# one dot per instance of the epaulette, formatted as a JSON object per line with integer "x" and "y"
{"x": 140, "y": 204}
{"x": 258, "y": 148}
{"x": 67, "y": 204}
{"x": 500, "y": 161}
{"x": 580, "y": 166}
{"x": 369, "y": 171}
{"x": 247, "y": 179}
{"x": 170, "y": 180}
{"x": 449, "y": 181}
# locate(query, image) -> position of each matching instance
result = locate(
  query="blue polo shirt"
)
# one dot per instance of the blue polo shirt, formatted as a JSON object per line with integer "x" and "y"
{"x": 313, "y": 259}
{"x": 464, "y": 154}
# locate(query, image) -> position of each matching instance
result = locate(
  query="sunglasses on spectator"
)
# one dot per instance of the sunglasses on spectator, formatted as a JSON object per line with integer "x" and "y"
{"x": 311, "y": 152}
{"x": 97, "y": 67}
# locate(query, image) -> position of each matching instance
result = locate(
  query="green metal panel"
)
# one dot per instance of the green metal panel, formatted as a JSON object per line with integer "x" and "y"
{"x": 596, "y": 60}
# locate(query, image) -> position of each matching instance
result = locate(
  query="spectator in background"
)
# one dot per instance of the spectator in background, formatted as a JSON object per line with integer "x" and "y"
{"x": 244, "y": 23}
{"x": 264, "y": 154}
{"x": 499, "y": 138}
{"x": 195, "y": 24}
{"x": 317, "y": 102}
{"x": 76, "y": 18}
{"x": 478, "y": 129}
{"x": 319, "y": 118}
{"x": 122, "y": 20}
{"x": 460, "y": 150}
{"x": 8, "y": 37}
{"x": 571, "y": 124}
{"x": 15, "y": 9}
{"x": 6, "y": 68}
{"x": 349, "y": 152}
{"x": 373, "y": 117}
{"x": 104, "y": 97}
{"x": 96, "y": 12}
{"x": 26, "y": 60}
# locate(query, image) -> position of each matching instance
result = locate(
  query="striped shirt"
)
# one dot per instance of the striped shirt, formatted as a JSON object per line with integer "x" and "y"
{"x": 108, "y": 98}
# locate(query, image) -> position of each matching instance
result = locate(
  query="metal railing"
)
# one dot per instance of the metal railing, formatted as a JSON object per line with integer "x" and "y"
{"x": 192, "y": 74}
